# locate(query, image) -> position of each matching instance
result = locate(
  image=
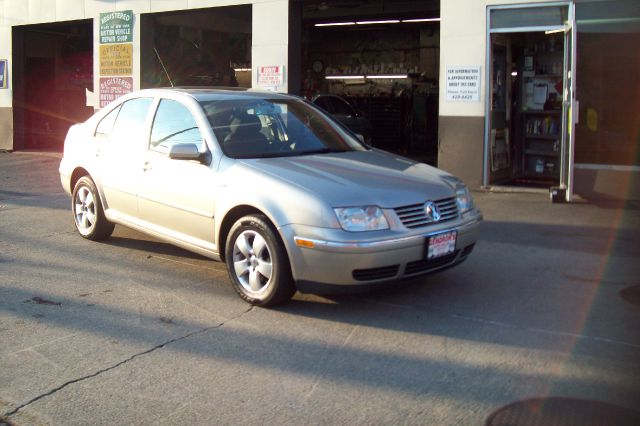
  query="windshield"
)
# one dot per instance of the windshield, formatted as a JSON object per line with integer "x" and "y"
{"x": 259, "y": 128}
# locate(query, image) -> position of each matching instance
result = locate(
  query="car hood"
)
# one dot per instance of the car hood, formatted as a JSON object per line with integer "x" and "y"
{"x": 359, "y": 178}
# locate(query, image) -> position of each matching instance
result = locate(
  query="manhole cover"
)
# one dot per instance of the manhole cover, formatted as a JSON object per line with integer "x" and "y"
{"x": 563, "y": 412}
{"x": 631, "y": 294}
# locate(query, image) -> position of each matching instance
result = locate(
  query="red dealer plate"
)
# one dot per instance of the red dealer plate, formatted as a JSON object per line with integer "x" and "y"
{"x": 441, "y": 244}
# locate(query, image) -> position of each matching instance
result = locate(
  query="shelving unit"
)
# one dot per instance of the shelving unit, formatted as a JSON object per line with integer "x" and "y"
{"x": 388, "y": 117}
{"x": 541, "y": 109}
{"x": 542, "y": 136}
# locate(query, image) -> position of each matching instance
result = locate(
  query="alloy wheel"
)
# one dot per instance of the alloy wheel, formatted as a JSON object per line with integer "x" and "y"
{"x": 84, "y": 210}
{"x": 252, "y": 261}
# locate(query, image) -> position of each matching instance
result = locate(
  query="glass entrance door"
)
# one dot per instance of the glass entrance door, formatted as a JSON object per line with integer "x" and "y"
{"x": 570, "y": 109}
{"x": 529, "y": 141}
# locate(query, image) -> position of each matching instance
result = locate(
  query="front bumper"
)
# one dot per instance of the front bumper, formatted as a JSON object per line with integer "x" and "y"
{"x": 339, "y": 259}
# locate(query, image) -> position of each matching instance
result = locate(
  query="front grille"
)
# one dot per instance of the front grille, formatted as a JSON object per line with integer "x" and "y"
{"x": 376, "y": 273}
{"x": 428, "y": 264}
{"x": 414, "y": 216}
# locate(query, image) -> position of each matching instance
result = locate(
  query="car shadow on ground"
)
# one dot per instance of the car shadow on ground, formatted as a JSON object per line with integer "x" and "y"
{"x": 150, "y": 246}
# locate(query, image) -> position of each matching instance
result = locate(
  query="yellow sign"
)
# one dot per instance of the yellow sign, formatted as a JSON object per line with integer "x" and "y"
{"x": 116, "y": 59}
{"x": 592, "y": 119}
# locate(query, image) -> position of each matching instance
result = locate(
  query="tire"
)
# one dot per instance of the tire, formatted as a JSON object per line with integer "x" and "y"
{"x": 88, "y": 214}
{"x": 257, "y": 262}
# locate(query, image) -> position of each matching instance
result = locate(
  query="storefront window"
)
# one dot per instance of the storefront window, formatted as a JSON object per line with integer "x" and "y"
{"x": 199, "y": 47}
{"x": 608, "y": 82}
{"x": 528, "y": 17}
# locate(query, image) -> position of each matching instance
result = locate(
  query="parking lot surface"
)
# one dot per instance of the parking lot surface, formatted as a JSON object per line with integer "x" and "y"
{"x": 135, "y": 331}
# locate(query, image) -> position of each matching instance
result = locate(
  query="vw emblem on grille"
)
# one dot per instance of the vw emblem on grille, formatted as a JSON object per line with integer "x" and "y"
{"x": 431, "y": 210}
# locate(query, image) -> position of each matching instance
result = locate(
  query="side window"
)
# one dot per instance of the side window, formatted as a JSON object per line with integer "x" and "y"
{"x": 106, "y": 124}
{"x": 173, "y": 124}
{"x": 129, "y": 124}
{"x": 340, "y": 106}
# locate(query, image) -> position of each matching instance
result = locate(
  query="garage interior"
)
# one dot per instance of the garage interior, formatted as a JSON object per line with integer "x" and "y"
{"x": 201, "y": 47}
{"x": 381, "y": 56}
{"x": 53, "y": 68}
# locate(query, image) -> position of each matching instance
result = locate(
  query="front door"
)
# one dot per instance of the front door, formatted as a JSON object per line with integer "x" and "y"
{"x": 500, "y": 142}
{"x": 529, "y": 141}
{"x": 176, "y": 197}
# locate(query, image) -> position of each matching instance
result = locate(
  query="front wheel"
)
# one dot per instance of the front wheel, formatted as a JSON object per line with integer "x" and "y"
{"x": 257, "y": 262}
{"x": 88, "y": 213}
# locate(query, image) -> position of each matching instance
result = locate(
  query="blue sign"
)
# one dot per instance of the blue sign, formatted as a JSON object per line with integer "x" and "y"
{"x": 4, "y": 74}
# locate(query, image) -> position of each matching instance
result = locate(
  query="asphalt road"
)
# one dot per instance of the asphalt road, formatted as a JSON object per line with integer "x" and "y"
{"x": 134, "y": 331}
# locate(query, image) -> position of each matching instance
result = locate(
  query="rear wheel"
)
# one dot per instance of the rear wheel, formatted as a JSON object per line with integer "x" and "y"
{"x": 257, "y": 262}
{"x": 88, "y": 214}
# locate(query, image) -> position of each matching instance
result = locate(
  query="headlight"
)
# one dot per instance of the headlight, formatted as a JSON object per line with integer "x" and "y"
{"x": 463, "y": 196}
{"x": 368, "y": 218}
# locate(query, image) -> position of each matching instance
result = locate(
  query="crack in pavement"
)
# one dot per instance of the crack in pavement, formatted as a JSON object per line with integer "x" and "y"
{"x": 113, "y": 367}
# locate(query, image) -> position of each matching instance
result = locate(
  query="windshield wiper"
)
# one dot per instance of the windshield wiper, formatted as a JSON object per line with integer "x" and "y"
{"x": 322, "y": 151}
{"x": 289, "y": 153}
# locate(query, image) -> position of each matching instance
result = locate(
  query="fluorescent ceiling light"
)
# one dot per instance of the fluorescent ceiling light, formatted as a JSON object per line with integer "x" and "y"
{"x": 388, "y": 21}
{"x": 344, "y": 77}
{"x": 514, "y": 73}
{"x": 334, "y": 24}
{"x": 388, "y": 76}
{"x": 362, "y": 77}
{"x": 241, "y": 69}
{"x": 421, "y": 20}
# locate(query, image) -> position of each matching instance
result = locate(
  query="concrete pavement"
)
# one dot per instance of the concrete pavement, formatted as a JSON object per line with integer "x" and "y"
{"x": 135, "y": 331}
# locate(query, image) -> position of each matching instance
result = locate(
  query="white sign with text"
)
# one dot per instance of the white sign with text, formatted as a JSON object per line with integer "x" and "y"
{"x": 463, "y": 84}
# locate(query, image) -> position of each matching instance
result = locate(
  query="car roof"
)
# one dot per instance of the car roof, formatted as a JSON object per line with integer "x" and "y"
{"x": 215, "y": 93}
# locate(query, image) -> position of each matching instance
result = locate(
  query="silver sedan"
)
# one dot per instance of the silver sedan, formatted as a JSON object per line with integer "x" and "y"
{"x": 286, "y": 196}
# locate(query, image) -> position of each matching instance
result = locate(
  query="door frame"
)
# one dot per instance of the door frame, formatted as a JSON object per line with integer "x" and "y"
{"x": 569, "y": 99}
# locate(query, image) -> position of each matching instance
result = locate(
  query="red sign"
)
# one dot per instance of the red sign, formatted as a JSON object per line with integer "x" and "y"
{"x": 270, "y": 77}
{"x": 111, "y": 88}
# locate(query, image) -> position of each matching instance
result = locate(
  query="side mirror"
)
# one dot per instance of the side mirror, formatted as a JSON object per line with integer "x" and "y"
{"x": 187, "y": 151}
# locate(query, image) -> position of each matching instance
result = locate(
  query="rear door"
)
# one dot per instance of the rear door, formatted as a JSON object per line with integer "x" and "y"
{"x": 119, "y": 156}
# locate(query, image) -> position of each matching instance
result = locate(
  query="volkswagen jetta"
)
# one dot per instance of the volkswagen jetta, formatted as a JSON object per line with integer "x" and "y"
{"x": 267, "y": 183}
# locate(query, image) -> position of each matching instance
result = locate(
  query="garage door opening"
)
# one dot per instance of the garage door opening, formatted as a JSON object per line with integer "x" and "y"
{"x": 53, "y": 69}
{"x": 382, "y": 58}
{"x": 203, "y": 47}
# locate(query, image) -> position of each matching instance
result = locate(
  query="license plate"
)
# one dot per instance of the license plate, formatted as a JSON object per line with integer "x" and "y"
{"x": 441, "y": 244}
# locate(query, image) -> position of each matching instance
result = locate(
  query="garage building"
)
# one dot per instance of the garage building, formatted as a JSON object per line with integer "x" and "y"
{"x": 527, "y": 95}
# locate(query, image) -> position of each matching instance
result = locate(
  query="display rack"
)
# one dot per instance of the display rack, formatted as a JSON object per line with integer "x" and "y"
{"x": 542, "y": 136}
{"x": 542, "y": 109}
